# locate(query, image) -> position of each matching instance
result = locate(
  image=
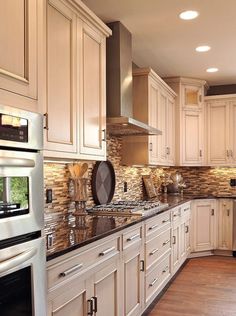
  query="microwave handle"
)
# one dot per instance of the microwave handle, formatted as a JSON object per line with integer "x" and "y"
{"x": 15, "y": 261}
{"x": 16, "y": 162}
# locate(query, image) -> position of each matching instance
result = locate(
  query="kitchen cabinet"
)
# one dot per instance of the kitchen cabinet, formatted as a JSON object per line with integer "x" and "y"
{"x": 153, "y": 104}
{"x": 21, "y": 42}
{"x": 225, "y": 224}
{"x": 221, "y": 119}
{"x": 204, "y": 227}
{"x": 75, "y": 106}
{"x": 133, "y": 272}
{"x": 190, "y": 121}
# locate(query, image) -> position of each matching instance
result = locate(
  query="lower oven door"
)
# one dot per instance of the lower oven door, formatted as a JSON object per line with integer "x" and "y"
{"x": 22, "y": 279}
{"x": 21, "y": 193}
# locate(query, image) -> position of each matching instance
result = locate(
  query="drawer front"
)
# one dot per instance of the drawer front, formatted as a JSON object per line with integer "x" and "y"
{"x": 82, "y": 262}
{"x": 176, "y": 214}
{"x": 157, "y": 224}
{"x": 185, "y": 210}
{"x": 132, "y": 237}
{"x": 157, "y": 247}
{"x": 156, "y": 278}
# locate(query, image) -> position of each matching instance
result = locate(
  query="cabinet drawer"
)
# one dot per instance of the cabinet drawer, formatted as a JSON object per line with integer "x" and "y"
{"x": 82, "y": 262}
{"x": 132, "y": 237}
{"x": 157, "y": 224}
{"x": 176, "y": 214}
{"x": 156, "y": 247}
{"x": 185, "y": 210}
{"x": 156, "y": 278}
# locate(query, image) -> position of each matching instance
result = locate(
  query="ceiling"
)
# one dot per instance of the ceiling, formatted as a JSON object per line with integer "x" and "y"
{"x": 167, "y": 44}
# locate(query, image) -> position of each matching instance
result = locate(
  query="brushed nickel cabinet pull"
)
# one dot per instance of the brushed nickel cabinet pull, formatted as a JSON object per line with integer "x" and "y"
{"x": 228, "y": 212}
{"x": 107, "y": 251}
{"x": 133, "y": 237}
{"x": 187, "y": 229}
{"x": 95, "y": 305}
{"x": 104, "y": 133}
{"x": 166, "y": 242}
{"x": 174, "y": 240}
{"x": 71, "y": 270}
{"x": 46, "y": 121}
{"x": 153, "y": 252}
{"x": 142, "y": 265}
{"x": 90, "y": 307}
{"x": 153, "y": 282}
{"x": 153, "y": 227}
{"x": 165, "y": 221}
{"x": 212, "y": 212}
{"x": 200, "y": 153}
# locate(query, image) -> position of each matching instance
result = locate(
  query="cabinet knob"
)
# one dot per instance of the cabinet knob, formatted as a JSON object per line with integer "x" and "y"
{"x": 150, "y": 146}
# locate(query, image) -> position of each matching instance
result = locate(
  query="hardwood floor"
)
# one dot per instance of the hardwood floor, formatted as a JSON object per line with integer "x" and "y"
{"x": 205, "y": 287}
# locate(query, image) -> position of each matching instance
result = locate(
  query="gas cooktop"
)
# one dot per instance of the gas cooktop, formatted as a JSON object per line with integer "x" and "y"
{"x": 128, "y": 208}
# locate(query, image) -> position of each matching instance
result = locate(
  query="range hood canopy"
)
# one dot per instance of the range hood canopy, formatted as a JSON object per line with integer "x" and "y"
{"x": 120, "y": 121}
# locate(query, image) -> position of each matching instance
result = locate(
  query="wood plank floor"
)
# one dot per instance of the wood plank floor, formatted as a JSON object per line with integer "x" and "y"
{"x": 205, "y": 287}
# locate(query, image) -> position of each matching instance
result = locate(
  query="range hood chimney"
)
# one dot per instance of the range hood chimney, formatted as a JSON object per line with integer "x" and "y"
{"x": 120, "y": 121}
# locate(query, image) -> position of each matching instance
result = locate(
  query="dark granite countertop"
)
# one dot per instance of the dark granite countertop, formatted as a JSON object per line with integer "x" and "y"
{"x": 70, "y": 234}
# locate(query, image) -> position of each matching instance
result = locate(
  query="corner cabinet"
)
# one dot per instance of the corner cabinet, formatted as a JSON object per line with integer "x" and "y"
{"x": 153, "y": 104}
{"x": 75, "y": 103}
{"x": 225, "y": 227}
{"x": 190, "y": 121}
{"x": 221, "y": 128}
{"x": 21, "y": 43}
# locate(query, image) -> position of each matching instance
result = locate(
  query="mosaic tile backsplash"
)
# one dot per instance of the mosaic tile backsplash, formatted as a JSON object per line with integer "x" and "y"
{"x": 199, "y": 180}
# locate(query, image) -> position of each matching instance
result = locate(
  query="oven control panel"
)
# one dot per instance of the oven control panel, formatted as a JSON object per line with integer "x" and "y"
{"x": 13, "y": 128}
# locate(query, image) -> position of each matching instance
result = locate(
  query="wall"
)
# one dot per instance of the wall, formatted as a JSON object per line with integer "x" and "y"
{"x": 202, "y": 180}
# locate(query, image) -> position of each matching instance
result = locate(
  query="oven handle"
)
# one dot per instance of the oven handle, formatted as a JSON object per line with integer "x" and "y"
{"x": 15, "y": 261}
{"x": 16, "y": 162}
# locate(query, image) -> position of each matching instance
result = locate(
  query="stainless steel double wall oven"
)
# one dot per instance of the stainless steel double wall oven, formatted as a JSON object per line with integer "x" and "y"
{"x": 22, "y": 248}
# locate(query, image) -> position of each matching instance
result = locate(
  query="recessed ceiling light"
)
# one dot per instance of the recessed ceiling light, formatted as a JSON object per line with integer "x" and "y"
{"x": 213, "y": 69}
{"x": 202, "y": 49}
{"x": 189, "y": 15}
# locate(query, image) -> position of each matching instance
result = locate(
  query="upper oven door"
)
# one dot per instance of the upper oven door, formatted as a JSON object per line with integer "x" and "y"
{"x": 20, "y": 129}
{"x": 21, "y": 193}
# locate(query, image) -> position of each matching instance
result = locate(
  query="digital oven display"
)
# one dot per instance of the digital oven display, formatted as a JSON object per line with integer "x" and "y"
{"x": 13, "y": 128}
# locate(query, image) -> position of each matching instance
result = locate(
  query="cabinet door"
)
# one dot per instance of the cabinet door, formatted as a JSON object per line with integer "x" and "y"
{"x": 192, "y": 141}
{"x": 163, "y": 126}
{"x": 218, "y": 133}
{"x": 170, "y": 131}
{"x": 232, "y": 132}
{"x": 18, "y": 42}
{"x": 187, "y": 237}
{"x": 92, "y": 86}
{"x": 175, "y": 248}
{"x": 133, "y": 282}
{"x": 204, "y": 217}
{"x": 225, "y": 225}
{"x": 106, "y": 289}
{"x": 60, "y": 134}
{"x": 153, "y": 121}
{"x": 182, "y": 242}
{"x": 71, "y": 301}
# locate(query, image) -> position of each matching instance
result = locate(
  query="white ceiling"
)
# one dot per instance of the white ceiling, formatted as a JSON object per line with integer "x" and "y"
{"x": 167, "y": 44}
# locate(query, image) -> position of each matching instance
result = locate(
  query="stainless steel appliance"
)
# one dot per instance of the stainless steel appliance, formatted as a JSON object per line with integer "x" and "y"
{"x": 128, "y": 208}
{"x": 21, "y": 172}
{"x": 22, "y": 248}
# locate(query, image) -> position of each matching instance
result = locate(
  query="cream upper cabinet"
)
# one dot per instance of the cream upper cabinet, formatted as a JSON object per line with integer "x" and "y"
{"x": 153, "y": 104}
{"x": 92, "y": 91}
{"x": 221, "y": 120}
{"x": 20, "y": 42}
{"x": 225, "y": 224}
{"x": 75, "y": 103}
{"x": 190, "y": 121}
{"x": 204, "y": 214}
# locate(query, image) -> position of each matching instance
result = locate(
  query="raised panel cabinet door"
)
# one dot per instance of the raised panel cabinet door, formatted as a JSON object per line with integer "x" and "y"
{"x": 175, "y": 250}
{"x": 133, "y": 282}
{"x": 192, "y": 142}
{"x": 187, "y": 237}
{"x": 163, "y": 126}
{"x": 153, "y": 121}
{"x": 72, "y": 301}
{"x": 225, "y": 225}
{"x": 92, "y": 86}
{"x": 182, "y": 242}
{"x": 218, "y": 133}
{"x": 170, "y": 131}
{"x": 232, "y": 132}
{"x": 106, "y": 291}
{"x": 18, "y": 42}
{"x": 204, "y": 216}
{"x": 60, "y": 132}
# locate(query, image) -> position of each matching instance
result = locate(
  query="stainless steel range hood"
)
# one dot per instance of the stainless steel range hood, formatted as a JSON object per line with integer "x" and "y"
{"x": 120, "y": 121}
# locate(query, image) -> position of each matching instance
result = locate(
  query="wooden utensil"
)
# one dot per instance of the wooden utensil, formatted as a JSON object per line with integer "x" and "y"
{"x": 77, "y": 171}
{"x": 83, "y": 169}
{"x": 72, "y": 171}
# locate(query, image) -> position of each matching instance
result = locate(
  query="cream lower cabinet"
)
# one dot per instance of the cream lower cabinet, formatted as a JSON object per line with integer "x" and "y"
{"x": 204, "y": 227}
{"x": 21, "y": 24}
{"x": 153, "y": 104}
{"x": 75, "y": 83}
{"x": 221, "y": 122}
{"x": 225, "y": 224}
